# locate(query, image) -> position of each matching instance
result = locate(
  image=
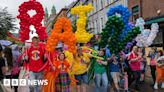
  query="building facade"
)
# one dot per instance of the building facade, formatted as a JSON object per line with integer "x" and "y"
{"x": 49, "y": 19}
{"x": 97, "y": 17}
{"x": 62, "y": 13}
{"x": 152, "y": 11}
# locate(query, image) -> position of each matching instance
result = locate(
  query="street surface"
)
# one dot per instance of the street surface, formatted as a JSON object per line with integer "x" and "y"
{"x": 145, "y": 87}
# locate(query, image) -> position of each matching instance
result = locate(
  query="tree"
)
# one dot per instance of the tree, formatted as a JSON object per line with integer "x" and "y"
{"x": 6, "y": 23}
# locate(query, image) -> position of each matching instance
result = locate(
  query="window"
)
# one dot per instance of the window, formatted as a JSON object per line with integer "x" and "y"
{"x": 95, "y": 26}
{"x": 106, "y": 2}
{"x": 96, "y": 5}
{"x": 111, "y": 1}
{"x": 102, "y": 23}
{"x": 135, "y": 13}
{"x": 101, "y": 4}
{"x": 92, "y": 26}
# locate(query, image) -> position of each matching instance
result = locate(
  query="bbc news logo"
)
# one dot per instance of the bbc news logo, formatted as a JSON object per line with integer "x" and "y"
{"x": 23, "y": 82}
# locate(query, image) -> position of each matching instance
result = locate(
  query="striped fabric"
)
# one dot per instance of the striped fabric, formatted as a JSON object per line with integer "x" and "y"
{"x": 62, "y": 83}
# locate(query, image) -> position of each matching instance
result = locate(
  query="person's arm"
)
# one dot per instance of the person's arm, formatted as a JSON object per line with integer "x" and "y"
{"x": 53, "y": 68}
{"x": 70, "y": 68}
{"x": 45, "y": 57}
{"x": 135, "y": 59}
{"x": 132, "y": 59}
{"x": 158, "y": 61}
{"x": 149, "y": 54}
{"x": 103, "y": 62}
{"x": 159, "y": 65}
{"x": 3, "y": 66}
{"x": 4, "y": 70}
{"x": 109, "y": 59}
{"x": 26, "y": 55}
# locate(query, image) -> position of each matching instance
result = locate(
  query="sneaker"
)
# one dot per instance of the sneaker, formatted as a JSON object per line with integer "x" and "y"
{"x": 155, "y": 86}
{"x": 162, "y": 86}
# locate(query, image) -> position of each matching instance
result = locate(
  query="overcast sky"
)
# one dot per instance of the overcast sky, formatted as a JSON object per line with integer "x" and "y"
{"x": 13, "y": 6}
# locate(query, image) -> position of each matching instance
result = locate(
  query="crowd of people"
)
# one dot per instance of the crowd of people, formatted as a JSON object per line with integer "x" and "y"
{"x": 116, "y": 71}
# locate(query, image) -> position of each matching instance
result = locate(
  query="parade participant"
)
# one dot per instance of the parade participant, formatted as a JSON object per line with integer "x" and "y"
{"x": 35, "y": 57}
{"x": 100, "y": 72}
{"x": 141, "y": 53}
{"x": 134, "y": 63}
{"x": 153, "y": 56}
{"x": 124, "y": 70}
{"x": 1, "y": 47}
{"x": 115, "y": 71}
{"x": 79, "y": 69}
{"x": 7, "y": 65}
{"x": 2, "y": 68}
{"x": 8, "y": 56}
{"x": 160, "y": 70}
{"x": 16, "y": 64}
{"x": 62, "y": 81}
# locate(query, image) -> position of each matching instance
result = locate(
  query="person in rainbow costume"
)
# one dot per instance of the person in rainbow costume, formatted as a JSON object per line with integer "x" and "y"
{"x": 60, "y": 66}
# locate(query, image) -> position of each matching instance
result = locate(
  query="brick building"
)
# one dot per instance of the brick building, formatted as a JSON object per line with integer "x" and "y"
{"x": 152, "y": 11}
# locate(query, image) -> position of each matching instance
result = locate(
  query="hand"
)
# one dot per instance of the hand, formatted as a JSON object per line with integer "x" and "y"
{"x": 3, "y": 55}
{"x": 53, "y": 68}
{"x": 138, "y": 58}
{"x": 70, "y": 69}
{"x": 162, "y": 67}
{"x": 7, "y": 69}
{"x": 45, "y": 55}
{"x": 109, "y": 59}
{"x": 25, "y": 57}
{"x": 98, "y": 60}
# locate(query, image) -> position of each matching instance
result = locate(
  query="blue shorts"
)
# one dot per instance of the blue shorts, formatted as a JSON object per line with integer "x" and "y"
{"x": 82, "y": 78}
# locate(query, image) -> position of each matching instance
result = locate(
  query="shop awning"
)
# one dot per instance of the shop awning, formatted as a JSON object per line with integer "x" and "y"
{"x": 154, "y": 20}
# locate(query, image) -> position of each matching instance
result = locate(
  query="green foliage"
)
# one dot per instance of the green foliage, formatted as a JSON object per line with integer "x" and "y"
{"x": 6, "y": 23}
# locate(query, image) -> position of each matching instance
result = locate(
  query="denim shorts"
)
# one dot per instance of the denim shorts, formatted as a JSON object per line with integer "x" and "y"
{"x": 82, "y": 78}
